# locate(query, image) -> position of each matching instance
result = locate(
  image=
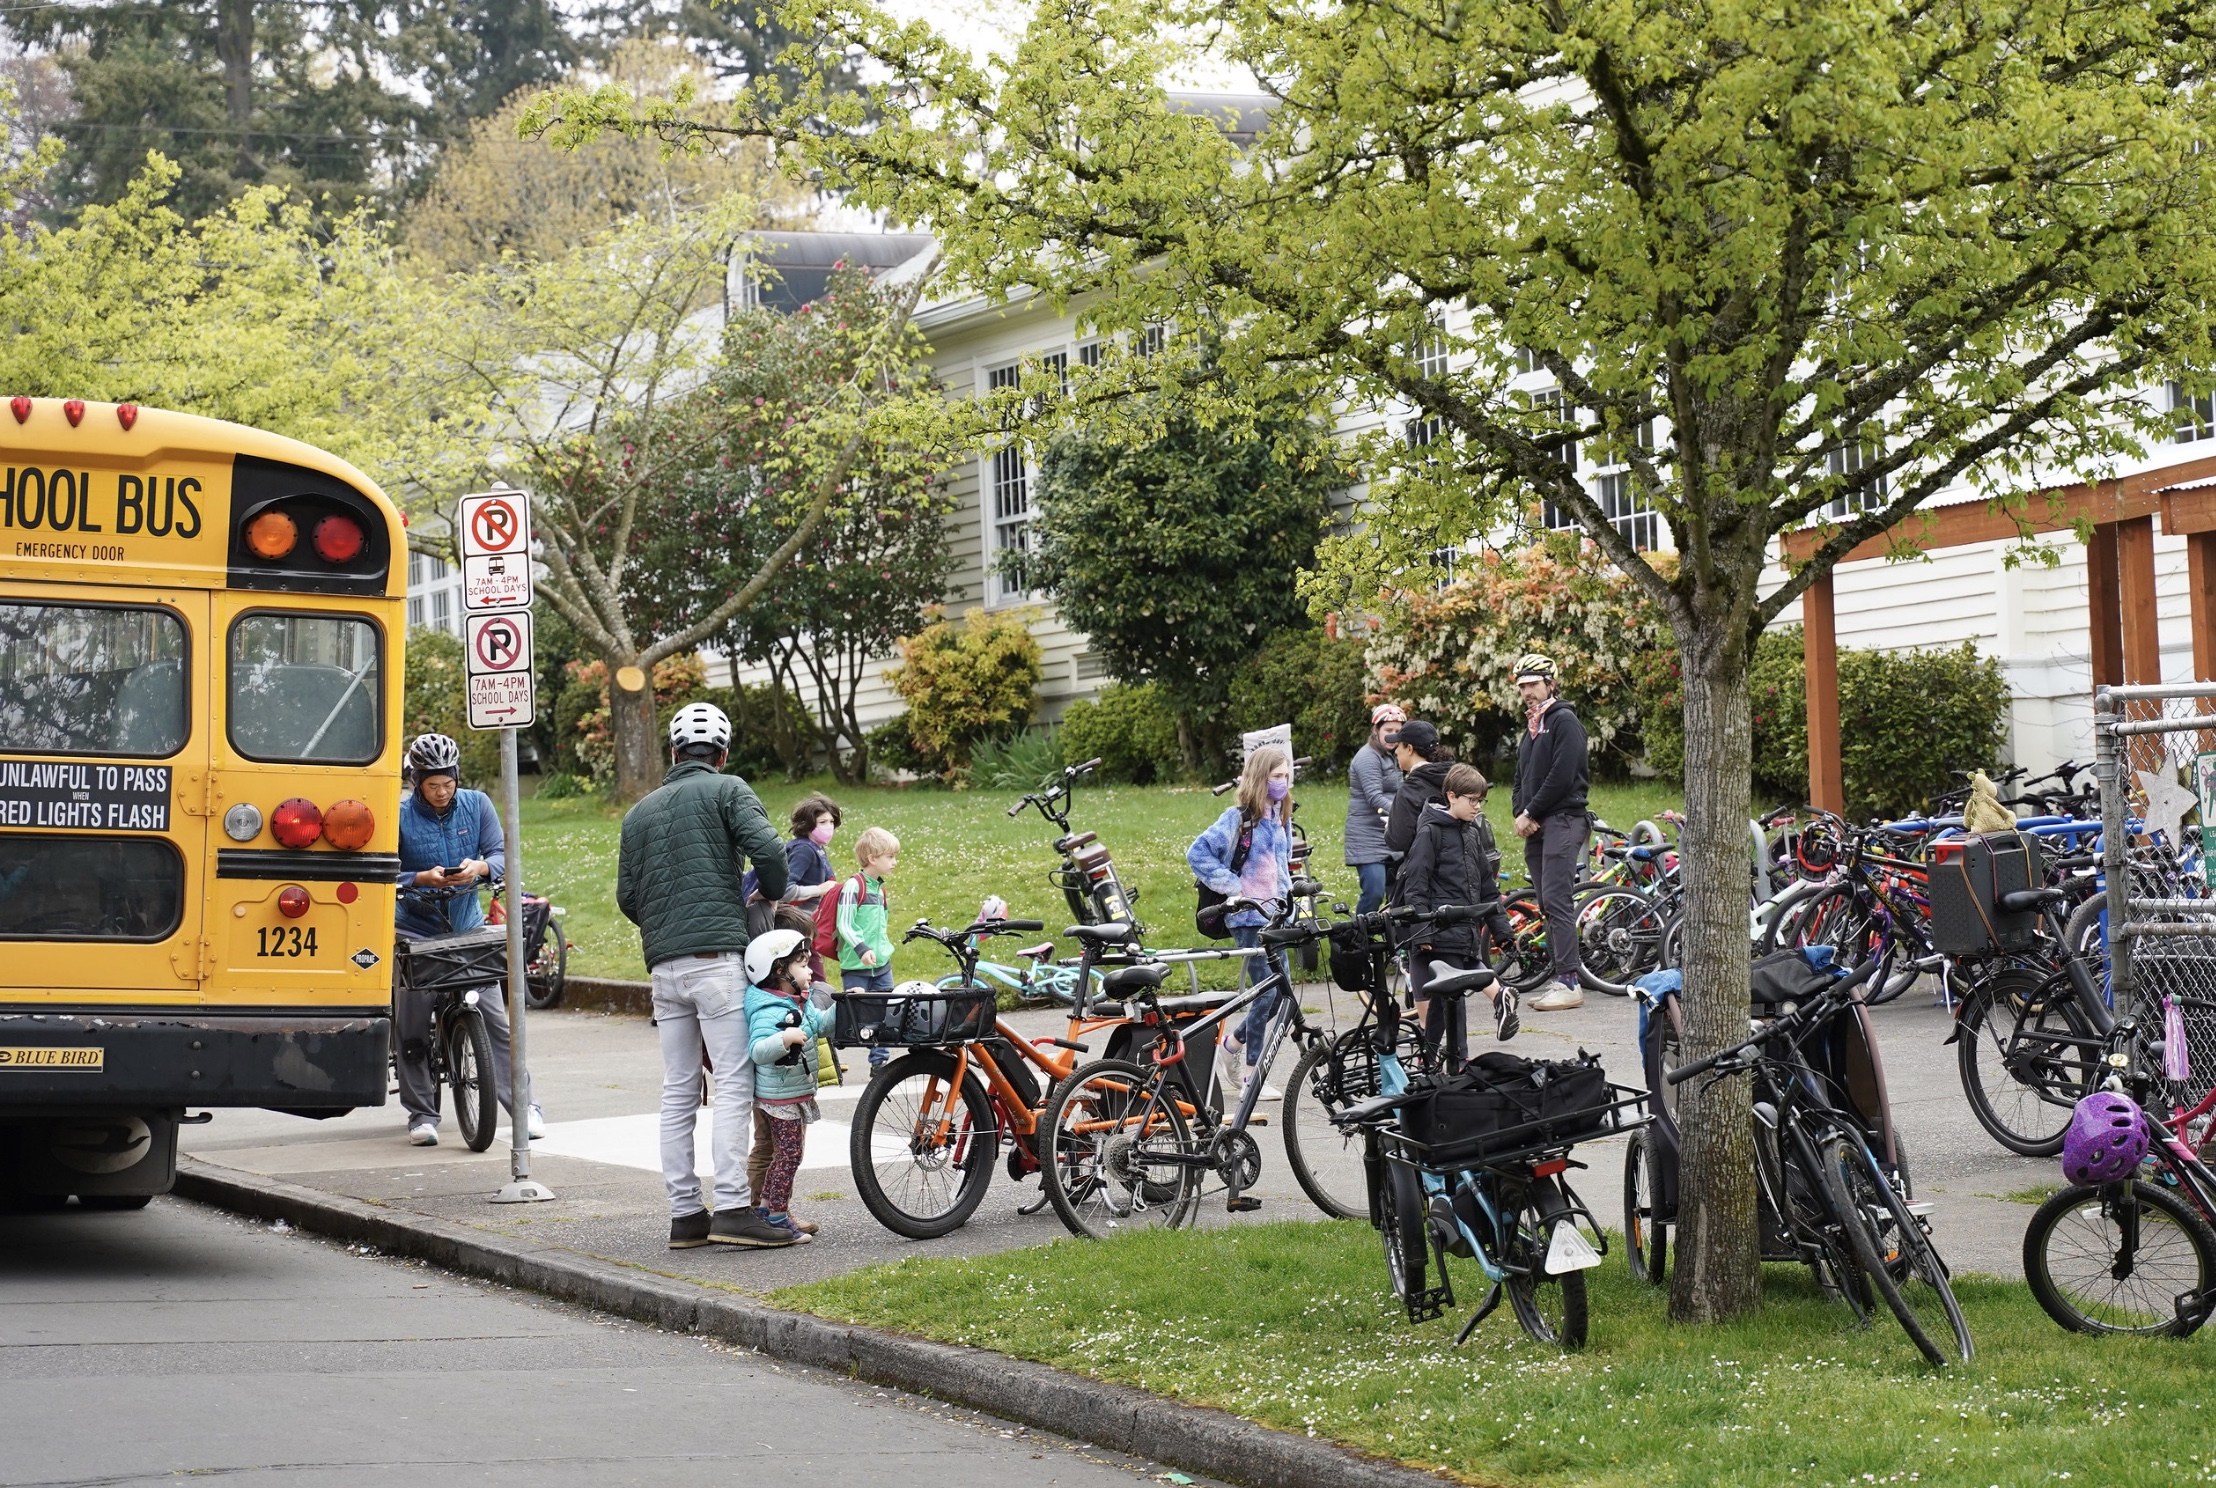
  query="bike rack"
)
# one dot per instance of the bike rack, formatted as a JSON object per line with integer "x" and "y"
{"x": 2144, "y": 735}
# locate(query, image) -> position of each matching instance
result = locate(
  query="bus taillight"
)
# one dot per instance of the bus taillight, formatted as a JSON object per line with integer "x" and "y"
{"x": 338, "y": 539}
{"x": 292, "y": 901}
{"x": 273, "y": 535}
{"x": 296, "y": 822}
{"x": 348, "y": 825}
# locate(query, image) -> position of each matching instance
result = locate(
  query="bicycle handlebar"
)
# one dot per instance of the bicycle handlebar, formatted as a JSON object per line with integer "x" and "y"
{"x": 1789, "y": 1023}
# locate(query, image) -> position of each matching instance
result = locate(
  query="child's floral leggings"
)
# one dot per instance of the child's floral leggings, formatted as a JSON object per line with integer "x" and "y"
{"x": 788, "y": 1136}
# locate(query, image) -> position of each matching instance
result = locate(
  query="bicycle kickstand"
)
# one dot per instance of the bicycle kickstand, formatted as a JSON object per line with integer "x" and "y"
{"x": 1484, "y": 1310}
{"x": 1027, "y": 1210}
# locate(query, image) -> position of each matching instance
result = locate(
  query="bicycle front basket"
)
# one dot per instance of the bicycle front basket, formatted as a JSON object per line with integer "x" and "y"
{"x": 443, "y": 963}
{"x": 949, "y": 1015}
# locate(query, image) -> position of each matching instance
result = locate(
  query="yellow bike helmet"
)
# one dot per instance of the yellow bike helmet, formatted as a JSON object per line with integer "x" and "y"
{"x": 1534, "y": 666}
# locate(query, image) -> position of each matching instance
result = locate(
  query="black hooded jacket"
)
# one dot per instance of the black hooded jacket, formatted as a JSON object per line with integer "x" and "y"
{"x": 1448, "y": 862}
{"x": 1419, "y": 788}
{"x": 1551, "y": 769}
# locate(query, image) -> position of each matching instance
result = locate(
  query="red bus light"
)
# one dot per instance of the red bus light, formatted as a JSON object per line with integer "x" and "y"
{"x": 272, "y": 535}
{"x": 338, "y": 539}
{"x": 296, "y": 822}
{"x": 292, "y": 901}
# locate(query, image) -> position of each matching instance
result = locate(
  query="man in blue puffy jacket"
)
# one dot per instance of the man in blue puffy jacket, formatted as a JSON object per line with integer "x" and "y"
{"x": 450, "y": 840}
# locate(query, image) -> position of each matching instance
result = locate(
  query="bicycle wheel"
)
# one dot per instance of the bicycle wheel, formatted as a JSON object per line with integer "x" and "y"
{"x": 923, "y": 1156}
{"x": 1646, "y": 1233}
{"x": 1894, "y": 1253}
{"x": 1619, "y": 938}
{"x": 1550, "y": 1307}
{"x": 546, "y": 974}
{"x": 2115, "y": 1260}
{"x": 1525, "y": 962}
{"x": 2086, "y": 934}
{"x": 1118, "y": 1156}
{"x": 2026, "y": 1053}
{"x": 1331, "y": 1075}
{"x": 1401, "y": 1224}
{"x": 469, "y": 1075}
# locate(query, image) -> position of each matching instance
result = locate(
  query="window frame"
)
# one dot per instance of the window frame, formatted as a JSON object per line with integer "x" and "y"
{"x": 998, "y": 591}
{"x": 183, "y": 625}
{"x": 184, "y": 888}
{"x": 377, "y": 630}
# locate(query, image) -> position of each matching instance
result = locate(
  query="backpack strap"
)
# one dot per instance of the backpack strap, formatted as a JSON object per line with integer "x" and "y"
{"x": 1245, "y": 846}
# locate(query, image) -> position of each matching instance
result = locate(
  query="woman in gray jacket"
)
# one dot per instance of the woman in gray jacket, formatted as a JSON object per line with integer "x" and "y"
{"x": 1373, "y": 779}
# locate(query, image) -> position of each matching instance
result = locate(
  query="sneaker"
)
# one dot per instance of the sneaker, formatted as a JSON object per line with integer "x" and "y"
{"x": 1505, "y": 1021}
{"x": 747, "y": 1227}
{"x": 806, "y": 1227}
{"x": 687, "y": 1231}
{"x": 785, "y": 1222}
{"x": 536, "y": 1124}
{"x": 1558, "y": 997}
{"x": 424, "y": 1133}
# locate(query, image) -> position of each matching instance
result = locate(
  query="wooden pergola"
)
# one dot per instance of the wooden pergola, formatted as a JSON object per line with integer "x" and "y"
{"x": 2120, "y": 599}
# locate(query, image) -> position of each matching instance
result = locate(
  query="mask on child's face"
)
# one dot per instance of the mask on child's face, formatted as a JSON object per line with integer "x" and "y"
{"x": 1280, "y": 789}
{"x": 821, "y": 836}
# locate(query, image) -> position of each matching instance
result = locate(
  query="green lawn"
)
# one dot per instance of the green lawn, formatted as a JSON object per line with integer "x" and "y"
{"x": 959, "y": 846}
{"x": 1291, "y": 1325}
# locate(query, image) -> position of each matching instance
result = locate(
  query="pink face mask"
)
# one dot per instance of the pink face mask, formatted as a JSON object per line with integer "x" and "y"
{"x": 1280, "y": 789}
{"x": 821, "y": 836}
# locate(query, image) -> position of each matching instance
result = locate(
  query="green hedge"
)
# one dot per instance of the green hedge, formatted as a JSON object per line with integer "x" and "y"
{"x": 1131, "y": 729}
{"x": 1907, "y": 720}
{"x": 1313, "y": 681}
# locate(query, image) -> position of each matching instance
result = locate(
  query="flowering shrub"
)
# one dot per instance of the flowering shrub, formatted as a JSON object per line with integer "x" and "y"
{"x": 1449, "y": 655}
{"x": 965, "y": 684}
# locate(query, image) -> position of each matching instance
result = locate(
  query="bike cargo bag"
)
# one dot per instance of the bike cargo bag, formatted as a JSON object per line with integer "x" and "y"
{"x": 1500, "y": 1103}
{"x": 1351, "y": 956}
{"x": 1784, "y": 976}
{"x": 455, "y": 963}
{"x": 1967, "y": 880}
{"x": 879, "y": 1020}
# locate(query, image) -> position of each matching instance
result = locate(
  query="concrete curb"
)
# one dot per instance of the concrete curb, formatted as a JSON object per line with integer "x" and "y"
{"x": 607, "y": 995}
{"x": 1193, "y": 1438}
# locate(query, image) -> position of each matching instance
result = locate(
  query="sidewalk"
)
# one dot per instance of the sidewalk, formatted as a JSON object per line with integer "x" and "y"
{"x": 598, "y": 1076}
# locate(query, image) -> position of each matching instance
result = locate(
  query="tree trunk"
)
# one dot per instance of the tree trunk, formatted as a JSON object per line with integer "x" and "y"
{"x": 234, "y": 44}
{"x": 1718, "y": 1274}
{"x": 639, "y": 756}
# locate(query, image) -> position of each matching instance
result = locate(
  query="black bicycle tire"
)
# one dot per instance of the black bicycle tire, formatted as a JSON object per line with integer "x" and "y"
{"x": 2038, "y": 1271}
{"x": 2082, "y": 932}
{"x": 1646, "y": 1234}
{"x": 467, "y": 1026}
{"x": 1326, "y": 1065}
{"x": 1841, "y": 1158}
{"x": 1546, "y": 1207}
{"x": 984, "y": 1137}
{"x": 1979, "y": 1003}
{"x": 544, "y": 989}
{"x": 1404, "y": 1230}
{"x": 1646, "y": 959}
{"x": 1515, "y": 964}
{"x": 1053, "y": 1170}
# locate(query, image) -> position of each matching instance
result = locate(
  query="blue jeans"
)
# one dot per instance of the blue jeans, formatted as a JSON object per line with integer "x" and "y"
{"x": 869, "y": 979}
{"x": 1372, "y": 878}
{"x": 1257, "y": 1020}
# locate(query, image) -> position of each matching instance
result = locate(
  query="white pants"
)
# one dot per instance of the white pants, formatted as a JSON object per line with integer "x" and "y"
{"x": 700, "y": 1005}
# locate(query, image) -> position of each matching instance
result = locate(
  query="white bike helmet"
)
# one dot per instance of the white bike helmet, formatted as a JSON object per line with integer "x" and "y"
{"x": 763, "y": 953}
{"x": 699, "y": 723}
{"x": 434, "y": 754}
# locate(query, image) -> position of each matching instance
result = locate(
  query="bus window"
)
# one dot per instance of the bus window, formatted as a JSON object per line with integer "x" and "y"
{"x": 306, "y": 687}
{"x": 91, "y": 679}
{"x": 89, "y": 888}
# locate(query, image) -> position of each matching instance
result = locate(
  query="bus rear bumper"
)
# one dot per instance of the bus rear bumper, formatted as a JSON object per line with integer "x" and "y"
{"x": 172, "y": 1060}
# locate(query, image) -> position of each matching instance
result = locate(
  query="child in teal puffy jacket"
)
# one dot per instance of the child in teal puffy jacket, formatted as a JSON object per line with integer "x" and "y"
{"x": 782, "y": 1025}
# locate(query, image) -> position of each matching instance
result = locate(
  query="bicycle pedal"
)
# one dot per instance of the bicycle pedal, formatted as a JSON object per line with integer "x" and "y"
{"x": 1243, "y": 1204}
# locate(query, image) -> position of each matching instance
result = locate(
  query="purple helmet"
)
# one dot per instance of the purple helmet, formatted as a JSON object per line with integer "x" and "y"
{"x": 2107, "y": 1138}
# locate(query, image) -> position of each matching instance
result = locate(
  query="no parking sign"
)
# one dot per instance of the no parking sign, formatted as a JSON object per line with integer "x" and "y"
{"x": 495, "y": 534}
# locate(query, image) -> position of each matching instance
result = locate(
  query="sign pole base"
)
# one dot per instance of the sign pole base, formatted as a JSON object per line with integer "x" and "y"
{"x": 524, "y": 1191}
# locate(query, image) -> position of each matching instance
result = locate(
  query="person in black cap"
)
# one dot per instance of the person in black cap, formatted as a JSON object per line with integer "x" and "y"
{"x": 1424, "y": 763}
{"x": 1551, "y": 783}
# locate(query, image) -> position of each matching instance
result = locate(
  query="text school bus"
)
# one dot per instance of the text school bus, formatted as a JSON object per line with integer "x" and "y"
{"x": 200, "y": 633}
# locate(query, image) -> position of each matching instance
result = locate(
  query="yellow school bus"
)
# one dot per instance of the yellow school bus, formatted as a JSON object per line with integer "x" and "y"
{"x": 200, "y": 674}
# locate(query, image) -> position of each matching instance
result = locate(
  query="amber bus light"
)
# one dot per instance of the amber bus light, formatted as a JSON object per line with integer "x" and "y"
{"x": 272, "y": 535}
{"x": 348, "y": 825}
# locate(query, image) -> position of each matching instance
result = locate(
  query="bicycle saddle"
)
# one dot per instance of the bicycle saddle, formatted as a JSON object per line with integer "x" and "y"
{"x": 1043, "y": 951}
{"x": 1452, "y": 981}
{"x": 2029, "y": 901}
{"x": 1115, "y": 932}
{"x": 1131, "y": 979}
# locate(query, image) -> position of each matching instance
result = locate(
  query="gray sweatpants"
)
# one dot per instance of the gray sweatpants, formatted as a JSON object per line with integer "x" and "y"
{"x": 411, "y": 1017}
{"x": 1555, "y": 854}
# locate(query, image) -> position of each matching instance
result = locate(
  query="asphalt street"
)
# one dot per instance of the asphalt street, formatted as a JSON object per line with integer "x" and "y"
{"x": 177, "y": 1341}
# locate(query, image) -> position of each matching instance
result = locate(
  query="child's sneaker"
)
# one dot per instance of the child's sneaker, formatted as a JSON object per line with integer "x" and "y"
{"x": 785, "y": 1222}
{"x": 1505, "y": 1021}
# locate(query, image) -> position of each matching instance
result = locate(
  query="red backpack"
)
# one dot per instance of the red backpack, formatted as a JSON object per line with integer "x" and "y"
{"x": 827, "y": 920}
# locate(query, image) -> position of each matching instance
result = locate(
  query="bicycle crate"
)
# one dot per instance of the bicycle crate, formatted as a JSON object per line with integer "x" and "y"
{"x": 453, "y": 963}
{"x": 878, "y": 1020}
{"x": 1965, "y": 885}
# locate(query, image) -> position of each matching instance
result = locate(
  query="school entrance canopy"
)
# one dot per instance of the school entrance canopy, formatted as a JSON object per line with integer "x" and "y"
{"x": 2120, "y": 595}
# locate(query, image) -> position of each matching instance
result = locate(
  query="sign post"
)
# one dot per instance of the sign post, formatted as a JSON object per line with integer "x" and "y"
{"x": 496, "y": 645}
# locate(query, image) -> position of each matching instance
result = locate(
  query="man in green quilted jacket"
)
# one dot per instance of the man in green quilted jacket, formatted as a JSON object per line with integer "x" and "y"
{"x": 678, "y": 878}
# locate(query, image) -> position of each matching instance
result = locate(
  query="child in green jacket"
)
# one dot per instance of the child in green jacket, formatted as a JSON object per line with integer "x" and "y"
{"x": 865, "y": 942}
{"x": 782, "y": 1026}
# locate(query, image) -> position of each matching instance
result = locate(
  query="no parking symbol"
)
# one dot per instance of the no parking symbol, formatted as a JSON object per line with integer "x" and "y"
{"x": 498, "y": 650}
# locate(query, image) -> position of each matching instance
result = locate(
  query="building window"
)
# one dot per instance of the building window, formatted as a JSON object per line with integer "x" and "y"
{"x": 1088, "y": 355}
{"x": 1149, "y": 341}
{"x": 1446, "y": 563}
{"x": 1527, "y": 361}
{"x": 415, "y": 570}
{"x": 1850, "y": 457}
{"x": 2191, "y": 418}
{"x": 1422, "y": 433}
{"x": 1009, "y": 489}
{"x": 1628, "y": 512}
{"x": 442, "y": 611}
{"x": 415, "y": 609}
{"x": 1057, "y": 365}
{"x": 1091, "y": 666}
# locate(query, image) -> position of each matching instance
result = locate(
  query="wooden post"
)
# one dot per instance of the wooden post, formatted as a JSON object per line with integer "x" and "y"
{"x": 2142, "y": 642}
{"x": 1820, "y": 658}
{"x": 2104, "y": 606}
{"x": 2200, "y": 569}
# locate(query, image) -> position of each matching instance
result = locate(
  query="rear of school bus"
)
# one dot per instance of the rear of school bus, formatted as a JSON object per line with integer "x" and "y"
{"x": 200, "y": 674}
